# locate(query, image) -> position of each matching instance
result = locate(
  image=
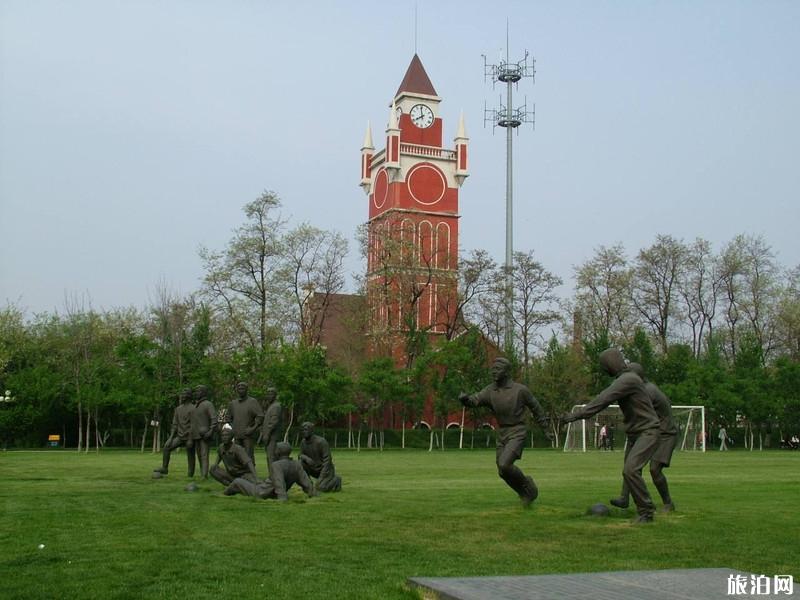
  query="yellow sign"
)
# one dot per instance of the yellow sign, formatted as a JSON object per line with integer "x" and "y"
{"x": 54, "y": 438}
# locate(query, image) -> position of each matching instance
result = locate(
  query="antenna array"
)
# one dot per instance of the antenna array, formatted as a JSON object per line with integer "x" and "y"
{"x": 509, "y": 117}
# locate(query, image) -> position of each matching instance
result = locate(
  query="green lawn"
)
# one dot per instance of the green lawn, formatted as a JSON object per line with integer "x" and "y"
{"x": 111, "y": 531}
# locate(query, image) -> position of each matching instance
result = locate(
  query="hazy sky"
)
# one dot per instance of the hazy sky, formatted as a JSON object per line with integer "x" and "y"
{"x": 133, "y": 132}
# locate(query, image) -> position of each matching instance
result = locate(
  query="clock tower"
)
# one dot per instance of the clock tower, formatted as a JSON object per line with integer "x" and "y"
{"x": 412, "y": 185}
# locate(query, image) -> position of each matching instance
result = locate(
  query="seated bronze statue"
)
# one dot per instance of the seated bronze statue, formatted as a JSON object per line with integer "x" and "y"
{"x": 285, "y": 473}
{"x": 235, "y": 458}
{"x": 315, "y": 456}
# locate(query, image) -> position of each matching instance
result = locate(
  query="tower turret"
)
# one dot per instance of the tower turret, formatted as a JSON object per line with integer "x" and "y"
{"x": 461, "y": 140}
{"x": 367, "y": 151}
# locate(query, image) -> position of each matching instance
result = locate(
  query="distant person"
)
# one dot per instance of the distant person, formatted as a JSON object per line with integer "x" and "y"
{"x": 236, "y": 460}
{"x": 284, "y": 474}
{"x": 641, "y": 425}
{"x": 181, "y": 433}
{"x": 509, "y": 401}
{"x": 204, "y": 426}
{"x": 245, "y": 416}
{"x": 272, "y": 428}
{"x": 723, "y": 439}
{"x": 668, "y": 436}
{"x": 603, "y": 438}
{"x": 315, "y": 456}
{"x": 611, "y": 431}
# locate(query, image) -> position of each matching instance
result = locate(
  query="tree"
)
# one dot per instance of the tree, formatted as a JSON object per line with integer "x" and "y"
{"x": 750, "y": 284}
{"x": 603, "y": 295}
{"x": 559, "y": 379}
{"x": 475, "y": 275}
{"x": 788, "y": 316}
{"x": 640, "y": 350}
{"x": 700, "y": 288}
{"x": 380, "y": 384}
{"x": 452, "y": 368}
{"x": 655, "y": 278}
{"x": 534, "y": 300}
{"x": 312, "y": 268}
{"x": 240, "y": 280}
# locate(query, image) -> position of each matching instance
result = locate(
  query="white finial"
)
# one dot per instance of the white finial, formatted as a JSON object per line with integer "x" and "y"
{"x": 368, "y": 139}
{"x": 393, "y": 116}
{"x": 462, "y": 132}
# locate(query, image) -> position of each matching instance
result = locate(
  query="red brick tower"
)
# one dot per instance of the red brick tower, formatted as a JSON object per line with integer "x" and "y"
{"x": 412, "y": 186}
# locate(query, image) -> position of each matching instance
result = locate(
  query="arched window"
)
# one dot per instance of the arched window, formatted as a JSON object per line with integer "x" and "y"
{"x": 425, "y": 243}
{"x": 443, "y": 259}
{"x": 408, "y": 234}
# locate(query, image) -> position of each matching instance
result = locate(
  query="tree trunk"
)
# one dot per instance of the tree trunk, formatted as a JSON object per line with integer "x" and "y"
{"x": 88, "y": 429}
{"x": 96, "y": 430}
{"x": 403, "y": 436}
{"x": 155, "y": 431}
{"x": 80, "y": 425}
{"x": 289, "y": 426}
{"x": 461, "y": 435}
{"x": 430, "y": 444}
{"x": 144, "y": 434}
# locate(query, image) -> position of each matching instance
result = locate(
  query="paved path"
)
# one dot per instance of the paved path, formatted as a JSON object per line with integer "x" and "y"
{"x": 675, "y": 584}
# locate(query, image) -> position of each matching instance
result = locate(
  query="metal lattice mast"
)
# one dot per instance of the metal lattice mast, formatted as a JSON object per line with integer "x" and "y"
{"x": 510, "y": 118}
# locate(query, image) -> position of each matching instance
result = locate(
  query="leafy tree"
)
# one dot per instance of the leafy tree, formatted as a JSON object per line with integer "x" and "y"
{"x": 380, "y": 384}
{"x": 534, "y": 302}
{"x": 559, "y": 379}
{"x": 655, "y": 277}
{"x": 603, "y": 296}
{"x": 640, "y": 350}
{"x": 700, "y": 289}
{"x": 240, "y": 280}
{"x": 312, "y": 268}
{"x": 454, "y": 367}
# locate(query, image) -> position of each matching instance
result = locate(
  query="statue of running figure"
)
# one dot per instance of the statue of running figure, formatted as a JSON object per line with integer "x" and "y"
{"x": 508, "y": 401}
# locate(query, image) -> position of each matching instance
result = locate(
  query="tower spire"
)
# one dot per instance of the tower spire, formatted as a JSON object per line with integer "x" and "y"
{"x": 416, "y": 80}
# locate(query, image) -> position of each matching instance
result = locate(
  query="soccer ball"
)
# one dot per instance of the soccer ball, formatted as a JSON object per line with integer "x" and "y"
{"x": 598, "y": 510}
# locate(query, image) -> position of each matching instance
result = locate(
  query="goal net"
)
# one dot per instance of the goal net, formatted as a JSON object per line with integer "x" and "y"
{"x": 605, "y": 430}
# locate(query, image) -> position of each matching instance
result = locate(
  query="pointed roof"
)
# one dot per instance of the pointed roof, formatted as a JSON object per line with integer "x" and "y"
{"x": 368, "y": 139}
{"x": 416, "y": 80}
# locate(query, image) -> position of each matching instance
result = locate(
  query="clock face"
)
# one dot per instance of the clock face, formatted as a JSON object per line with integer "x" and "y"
{"x": 421, "y": 115}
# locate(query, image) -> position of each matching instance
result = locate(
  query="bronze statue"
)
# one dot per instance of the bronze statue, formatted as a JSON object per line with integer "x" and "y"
{"x": 285, "y": 473}
{"x": 272, "y": 429}
{"x": 668, "y": 436}
{"x": 641, "y": 424}
{"x": 181, "y": 433}
{"x": 204, "y": 425}
{"x": 315, "y": 456}
{"x": 235, "y": 458}
{"x": 508, "y": 401}
{"x": 245, "y": 416}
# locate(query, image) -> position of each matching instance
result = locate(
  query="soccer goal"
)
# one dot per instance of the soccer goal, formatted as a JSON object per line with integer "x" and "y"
{"x": 605, "y": 430}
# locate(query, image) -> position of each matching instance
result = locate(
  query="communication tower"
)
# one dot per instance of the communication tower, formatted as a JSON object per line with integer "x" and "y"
{"x": 510, "y": 117}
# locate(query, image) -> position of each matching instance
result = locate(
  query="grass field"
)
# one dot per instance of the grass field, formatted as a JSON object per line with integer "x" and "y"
{"x": 111, "y": 531}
